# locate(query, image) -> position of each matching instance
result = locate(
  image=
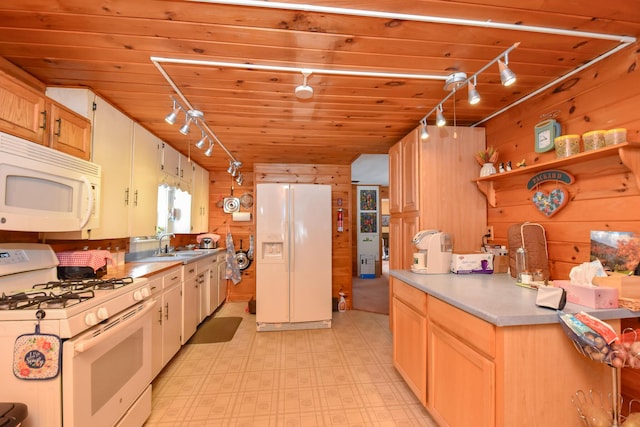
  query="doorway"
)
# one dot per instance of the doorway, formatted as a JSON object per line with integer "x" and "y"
{"x": 371, "y": 291}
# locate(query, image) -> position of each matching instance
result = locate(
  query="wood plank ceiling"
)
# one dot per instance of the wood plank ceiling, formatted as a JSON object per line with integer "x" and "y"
{"x": 106, "y": 45}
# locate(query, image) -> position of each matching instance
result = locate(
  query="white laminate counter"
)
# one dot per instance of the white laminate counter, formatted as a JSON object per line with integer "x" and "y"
{"x": 496, "y": 298}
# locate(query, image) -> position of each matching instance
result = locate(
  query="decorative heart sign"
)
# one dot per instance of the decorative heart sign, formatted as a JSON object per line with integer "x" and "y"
{"x": 551, "y": 203}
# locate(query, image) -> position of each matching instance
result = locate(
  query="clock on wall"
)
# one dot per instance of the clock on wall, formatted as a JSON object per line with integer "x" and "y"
{"x": 545, "y": 132}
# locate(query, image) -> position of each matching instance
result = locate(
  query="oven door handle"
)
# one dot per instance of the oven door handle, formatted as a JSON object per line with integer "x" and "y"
{"x": 85, "y": 345}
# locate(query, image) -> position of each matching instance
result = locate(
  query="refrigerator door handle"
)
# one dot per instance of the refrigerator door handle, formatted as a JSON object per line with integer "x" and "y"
{"x": 292, "y": 229}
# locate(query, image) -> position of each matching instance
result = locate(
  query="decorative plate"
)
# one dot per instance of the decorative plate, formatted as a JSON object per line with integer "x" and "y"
{"x": 246, "y": 200}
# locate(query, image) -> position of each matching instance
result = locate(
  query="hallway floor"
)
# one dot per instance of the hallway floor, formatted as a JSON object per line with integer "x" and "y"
{"x": 341, "y": 376}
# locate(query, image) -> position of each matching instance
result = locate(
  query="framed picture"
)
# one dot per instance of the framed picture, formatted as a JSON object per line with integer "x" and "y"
{"x": 384, "y": 220}
{"x": 368, "y": 200}
{"x": 617, "y": 250}
{"x": 368, "y": 222}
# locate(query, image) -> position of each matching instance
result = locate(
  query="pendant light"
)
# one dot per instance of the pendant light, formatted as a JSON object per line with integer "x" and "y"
{"x": 440, "y": 120}
{"x": 304, "y": 91}
{"x": 424, "y": 133}
{"x": 507, "y": 77}
{"x": 474, "y": 95}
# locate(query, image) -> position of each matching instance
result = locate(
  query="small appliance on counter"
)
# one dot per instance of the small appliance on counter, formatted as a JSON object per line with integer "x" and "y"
{"x": 208, "y": 241}
{"x": 434, "y": 252}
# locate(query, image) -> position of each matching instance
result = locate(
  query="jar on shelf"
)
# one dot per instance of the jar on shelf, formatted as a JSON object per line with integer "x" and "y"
{"x": 567, "y": 145}
{"x": 615, "y": 136}
{"x": 593, "y": 140}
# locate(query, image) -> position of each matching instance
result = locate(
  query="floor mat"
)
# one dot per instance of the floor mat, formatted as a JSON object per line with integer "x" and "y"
{"x": 216, "y": 329}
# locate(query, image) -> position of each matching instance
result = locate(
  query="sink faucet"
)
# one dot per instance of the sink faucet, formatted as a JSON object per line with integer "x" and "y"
{"x": 162, "y": 236}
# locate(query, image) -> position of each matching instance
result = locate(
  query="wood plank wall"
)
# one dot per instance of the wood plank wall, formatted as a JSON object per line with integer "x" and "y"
{"x": 605, "y": 195}
{"x": 338, "y": 176}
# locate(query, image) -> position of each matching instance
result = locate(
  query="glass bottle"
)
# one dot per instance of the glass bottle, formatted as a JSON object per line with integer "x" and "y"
{"x": 521, "y": 263}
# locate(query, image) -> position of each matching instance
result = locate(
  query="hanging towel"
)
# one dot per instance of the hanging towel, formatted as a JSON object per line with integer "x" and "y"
{"x": 232, "y": 270}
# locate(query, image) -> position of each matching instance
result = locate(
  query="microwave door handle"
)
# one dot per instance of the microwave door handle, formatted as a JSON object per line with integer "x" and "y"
{"x": 90, "y": 205}
{"x": 85, "y": 345}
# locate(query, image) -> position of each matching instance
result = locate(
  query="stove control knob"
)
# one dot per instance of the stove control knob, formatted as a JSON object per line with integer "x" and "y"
{"x": 90, "y": 319}
{"x": 103, "y": 313}
{"x": 138, "y": 295}
{"x": 146, "y": 293}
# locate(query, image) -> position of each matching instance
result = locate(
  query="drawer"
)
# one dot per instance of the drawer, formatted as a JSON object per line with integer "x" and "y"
{"x": 413, "y": 297}
{"x": 189, "y": 271}
{"x": 155, "y": 285}
{"x": 466, "y": 327}
{"x": 173, "y": 277}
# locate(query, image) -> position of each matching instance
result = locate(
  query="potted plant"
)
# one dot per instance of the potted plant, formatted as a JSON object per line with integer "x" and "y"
{"x": 486, "y": 158}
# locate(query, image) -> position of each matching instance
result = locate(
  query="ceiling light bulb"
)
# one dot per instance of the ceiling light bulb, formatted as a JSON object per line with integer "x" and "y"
{"x": 230, "y": 169}
{"x": 209, "y": 151}
{"x": 424, "y": 133}
{"x": 507, "y": 76}
{"x": 185, "y": 128}
{"x": 202, "y": 141}
{"x": 440, "y": 120}
{"x": 474, "y": 95}
{"x": 239, "y": 179}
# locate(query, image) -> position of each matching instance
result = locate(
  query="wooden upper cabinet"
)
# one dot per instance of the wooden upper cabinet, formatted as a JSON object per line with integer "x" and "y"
{"x": 22, "y": 110}
{"x": 395, "y": 179}
{"x": 69, "y": 132}
{"x": 410, "y": 172}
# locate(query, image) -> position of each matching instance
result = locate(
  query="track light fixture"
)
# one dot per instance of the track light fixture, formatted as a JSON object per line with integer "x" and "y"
{"x": 507, "y": 77}
{"x": 173, "y": 115}
{"x": 459, "y": 79}
{"x": 440, "y": 120}
{"x": 196, "y": 117}
{"x": 202, "y": 141}
{"x": 424, "y": 133}
{"x": 304, "y": 91}
{"x": 239, "y": 179}
{"x": 209, "y": 151}
{"x": 474, "y": 95}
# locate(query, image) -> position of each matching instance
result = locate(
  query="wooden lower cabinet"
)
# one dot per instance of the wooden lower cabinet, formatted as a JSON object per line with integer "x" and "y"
{"x": 461, "y": 381}
{"x": 485, "y": 375}
{"x": 410, "y": 340}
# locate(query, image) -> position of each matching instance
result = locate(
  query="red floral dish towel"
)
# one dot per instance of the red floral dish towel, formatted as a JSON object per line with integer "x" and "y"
{"x": 36, "y": 356}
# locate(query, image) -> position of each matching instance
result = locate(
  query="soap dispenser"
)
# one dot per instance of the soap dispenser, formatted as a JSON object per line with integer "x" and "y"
{"x": 342, "y": 304}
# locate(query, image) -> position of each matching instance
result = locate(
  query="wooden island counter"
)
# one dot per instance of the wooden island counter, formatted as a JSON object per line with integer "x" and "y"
{"x": 476, "y": 350}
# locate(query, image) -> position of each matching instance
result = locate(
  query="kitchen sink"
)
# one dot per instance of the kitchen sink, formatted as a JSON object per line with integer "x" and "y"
{"x": 184, "y": 256}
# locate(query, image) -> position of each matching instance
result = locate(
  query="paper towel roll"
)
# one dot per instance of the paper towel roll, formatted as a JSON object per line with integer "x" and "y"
{"x": 242, "y": 216}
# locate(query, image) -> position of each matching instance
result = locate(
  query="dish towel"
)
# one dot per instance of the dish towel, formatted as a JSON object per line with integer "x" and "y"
{"x": 232, "y": 270}
{"x": 95, "y": 259}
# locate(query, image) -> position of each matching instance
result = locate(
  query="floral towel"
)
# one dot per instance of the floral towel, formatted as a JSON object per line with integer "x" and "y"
{"x": 232, "y": 271}
{"x": 37, "y": 356}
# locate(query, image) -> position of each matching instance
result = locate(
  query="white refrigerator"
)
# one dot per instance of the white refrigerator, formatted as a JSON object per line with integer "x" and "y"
{"x": 293, "y": 256}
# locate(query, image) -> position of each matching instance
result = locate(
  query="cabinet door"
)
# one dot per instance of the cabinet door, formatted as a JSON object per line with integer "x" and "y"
{"x": 222, "y": 281}
{"x": 203, "y": 286}
{"x": 410, "y": 226}
{"x": 464, "y": 395}
{"x": 69, "y": 132}
{"x": 170, "y": 161}
{"x": 190, "y": 303}
{"x": 172, "y": 323}
{"x": 156, "y": 326}
{"x": 395, "y": 179}
{"x": 410, "y": 347}
{"x": 410, "y": 172}
{"x": 22, "y": 111}
{"x": 144, "y": 182}
{"x": 200, "y": 200}
{"x": 112, "y": 138}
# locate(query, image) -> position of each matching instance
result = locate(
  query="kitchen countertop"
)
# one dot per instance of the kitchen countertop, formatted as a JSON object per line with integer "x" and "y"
{"x": 496, "y": 298}
{"x": 144, "y": 268}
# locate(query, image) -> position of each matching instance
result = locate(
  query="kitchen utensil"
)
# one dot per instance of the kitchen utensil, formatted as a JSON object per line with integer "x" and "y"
{"x": 251, "y": 247}
{"x": 241, "y": 257}
{"x": 231, "y": 204}
{"x": 207, "y": 243}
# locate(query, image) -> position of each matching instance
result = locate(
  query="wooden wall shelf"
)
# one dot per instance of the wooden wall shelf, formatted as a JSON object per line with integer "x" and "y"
{"x": 629, "y": 153}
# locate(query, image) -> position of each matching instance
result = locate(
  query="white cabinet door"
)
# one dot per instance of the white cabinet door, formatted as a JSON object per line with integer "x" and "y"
{"x": 144, "y": 182}
{"x": 112, "y": 139}
{"x": 200, "y": 200}
{"x": 170, "y": 162}
{"x": 190, "y": 302}
{"x": 222, "y": 280}
{"x": 155, "y": 284}
{"x": 172, "y": 322}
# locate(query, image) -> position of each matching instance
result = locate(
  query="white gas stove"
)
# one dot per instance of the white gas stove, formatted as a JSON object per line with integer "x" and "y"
{"x": 104, "y": 327}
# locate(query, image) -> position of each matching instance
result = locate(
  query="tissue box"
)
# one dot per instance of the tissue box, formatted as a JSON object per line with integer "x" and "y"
{"x": 472, "y": 263}
{"x": 589, "y": 295}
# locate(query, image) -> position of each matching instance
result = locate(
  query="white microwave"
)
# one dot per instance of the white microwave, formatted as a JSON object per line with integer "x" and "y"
{"x": 42, "y": 189}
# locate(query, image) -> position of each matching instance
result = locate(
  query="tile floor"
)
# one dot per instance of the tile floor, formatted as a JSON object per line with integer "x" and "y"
{"x": 341, "y": 376}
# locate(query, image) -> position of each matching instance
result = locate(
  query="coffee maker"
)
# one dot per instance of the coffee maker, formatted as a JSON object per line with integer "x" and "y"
{"x": 434, "y": 252}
